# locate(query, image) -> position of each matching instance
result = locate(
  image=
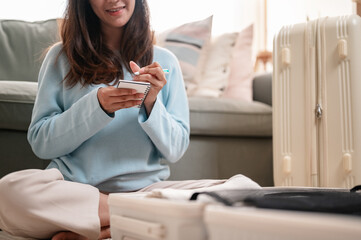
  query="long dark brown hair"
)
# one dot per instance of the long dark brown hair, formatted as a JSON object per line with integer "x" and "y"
{"x": 90, "y": 60}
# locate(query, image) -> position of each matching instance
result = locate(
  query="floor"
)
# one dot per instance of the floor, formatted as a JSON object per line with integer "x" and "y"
{"x": 5, "y": 236}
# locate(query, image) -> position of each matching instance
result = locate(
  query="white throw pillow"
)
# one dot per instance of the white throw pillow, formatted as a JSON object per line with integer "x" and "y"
{"x": 214, "y": 76}
{"x": 188, "y": 42}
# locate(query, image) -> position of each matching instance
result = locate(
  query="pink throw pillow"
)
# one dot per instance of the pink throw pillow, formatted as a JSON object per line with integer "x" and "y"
{"x": 241, "y": 68}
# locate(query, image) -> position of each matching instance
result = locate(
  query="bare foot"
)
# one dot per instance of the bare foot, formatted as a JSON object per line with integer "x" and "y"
{"x": 68, "y": 236}
{"x": 105, "y": 233}
{"x": 104, "y": 222}
{"x": 103, "y": 210}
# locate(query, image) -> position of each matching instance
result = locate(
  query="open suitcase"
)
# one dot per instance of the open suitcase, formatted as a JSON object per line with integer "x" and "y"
{"x": 133, "y": 216}
{"x": 317, "y": 103}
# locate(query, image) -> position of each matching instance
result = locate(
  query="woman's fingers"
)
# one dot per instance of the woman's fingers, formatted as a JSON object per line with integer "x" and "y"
{"x": 152, "y": 73}
{"x": 122, "y": 105}
{"x": 157, "y": 72}
{"x": 154, "y": 69}
{"x": 134, "y": 66}
{"x": 112, "y": 99}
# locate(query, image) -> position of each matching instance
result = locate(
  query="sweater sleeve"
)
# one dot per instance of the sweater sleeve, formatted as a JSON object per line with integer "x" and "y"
{"x": 55, "y": 131}
{"x": 168, "y": 124}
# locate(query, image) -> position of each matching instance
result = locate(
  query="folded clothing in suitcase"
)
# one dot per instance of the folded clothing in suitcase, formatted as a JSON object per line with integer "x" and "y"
{"x": 316, "y": 103}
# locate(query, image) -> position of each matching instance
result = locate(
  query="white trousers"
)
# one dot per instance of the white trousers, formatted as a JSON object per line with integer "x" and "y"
{"x": 40, "y": 203}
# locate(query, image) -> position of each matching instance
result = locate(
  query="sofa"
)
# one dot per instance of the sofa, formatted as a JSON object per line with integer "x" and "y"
{"x": 228, "y": 137}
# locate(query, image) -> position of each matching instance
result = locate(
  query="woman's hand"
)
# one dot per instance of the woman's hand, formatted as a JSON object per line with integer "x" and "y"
{"x": 153, "y": 74}
{"x": 112, "y": 99}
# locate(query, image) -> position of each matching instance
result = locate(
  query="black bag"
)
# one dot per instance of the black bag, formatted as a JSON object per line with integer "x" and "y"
{"x": 341, "y": 201}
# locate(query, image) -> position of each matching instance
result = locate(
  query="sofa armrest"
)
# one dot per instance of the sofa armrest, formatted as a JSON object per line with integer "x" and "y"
{"x": 262, "y": 88}
{"x": 16, "y": 104}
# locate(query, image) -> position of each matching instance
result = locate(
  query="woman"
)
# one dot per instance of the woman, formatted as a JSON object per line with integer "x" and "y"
{"x": 99, "y": 142}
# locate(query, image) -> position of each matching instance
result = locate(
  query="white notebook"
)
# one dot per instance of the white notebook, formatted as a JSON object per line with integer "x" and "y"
{"x": 141, "y": 87}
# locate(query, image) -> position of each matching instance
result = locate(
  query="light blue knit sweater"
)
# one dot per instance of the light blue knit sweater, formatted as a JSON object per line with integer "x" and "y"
{"x": 114, "y": 154}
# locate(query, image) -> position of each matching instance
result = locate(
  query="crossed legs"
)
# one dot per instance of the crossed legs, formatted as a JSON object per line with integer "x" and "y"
{"x": 41, "y": 204}
{"x": 104, "y": 223}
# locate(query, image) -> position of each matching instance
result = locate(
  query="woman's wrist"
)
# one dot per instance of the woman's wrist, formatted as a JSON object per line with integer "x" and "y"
{"x": 149, "y": 106}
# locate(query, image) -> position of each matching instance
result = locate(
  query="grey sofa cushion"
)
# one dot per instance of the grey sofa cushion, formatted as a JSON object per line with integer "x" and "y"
{"x": 16, "y": 104}
{"x": 262, "y": 88}
{"x": 22, "y": 47}
{"x": 227, "y": 117}
{"x": 208, "y": 116}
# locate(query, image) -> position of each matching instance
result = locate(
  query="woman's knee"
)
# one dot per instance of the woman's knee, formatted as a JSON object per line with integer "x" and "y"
{"x": 21, "y": 193}
{"x": 21, "y": 189}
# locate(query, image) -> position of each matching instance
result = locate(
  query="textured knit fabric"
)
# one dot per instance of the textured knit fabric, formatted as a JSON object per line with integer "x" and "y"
{"x": 114, "y": 154}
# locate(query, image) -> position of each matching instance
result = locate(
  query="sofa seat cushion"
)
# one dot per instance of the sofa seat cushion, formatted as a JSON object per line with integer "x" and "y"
{"x": 208, "y": 116}
{"x": 16, "y": 104}
{"x": 227, "y": 117}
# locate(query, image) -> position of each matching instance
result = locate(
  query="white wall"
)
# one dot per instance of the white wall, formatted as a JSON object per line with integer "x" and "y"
{"x": 229, "y": 15}
{"x": 31, "y": 10}
{"x": 285, "y": 12}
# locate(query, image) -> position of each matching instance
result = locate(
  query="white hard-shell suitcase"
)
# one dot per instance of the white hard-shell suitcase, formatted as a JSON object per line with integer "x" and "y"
{"x": 246, "y": 223}
{"x": 135, "y": 217}
{"x": 317, "y": 103}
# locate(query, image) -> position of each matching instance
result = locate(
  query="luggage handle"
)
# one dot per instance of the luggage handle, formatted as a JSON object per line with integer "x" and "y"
{"x": 141, "y": 228}
{"x": 342, "y": 48}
